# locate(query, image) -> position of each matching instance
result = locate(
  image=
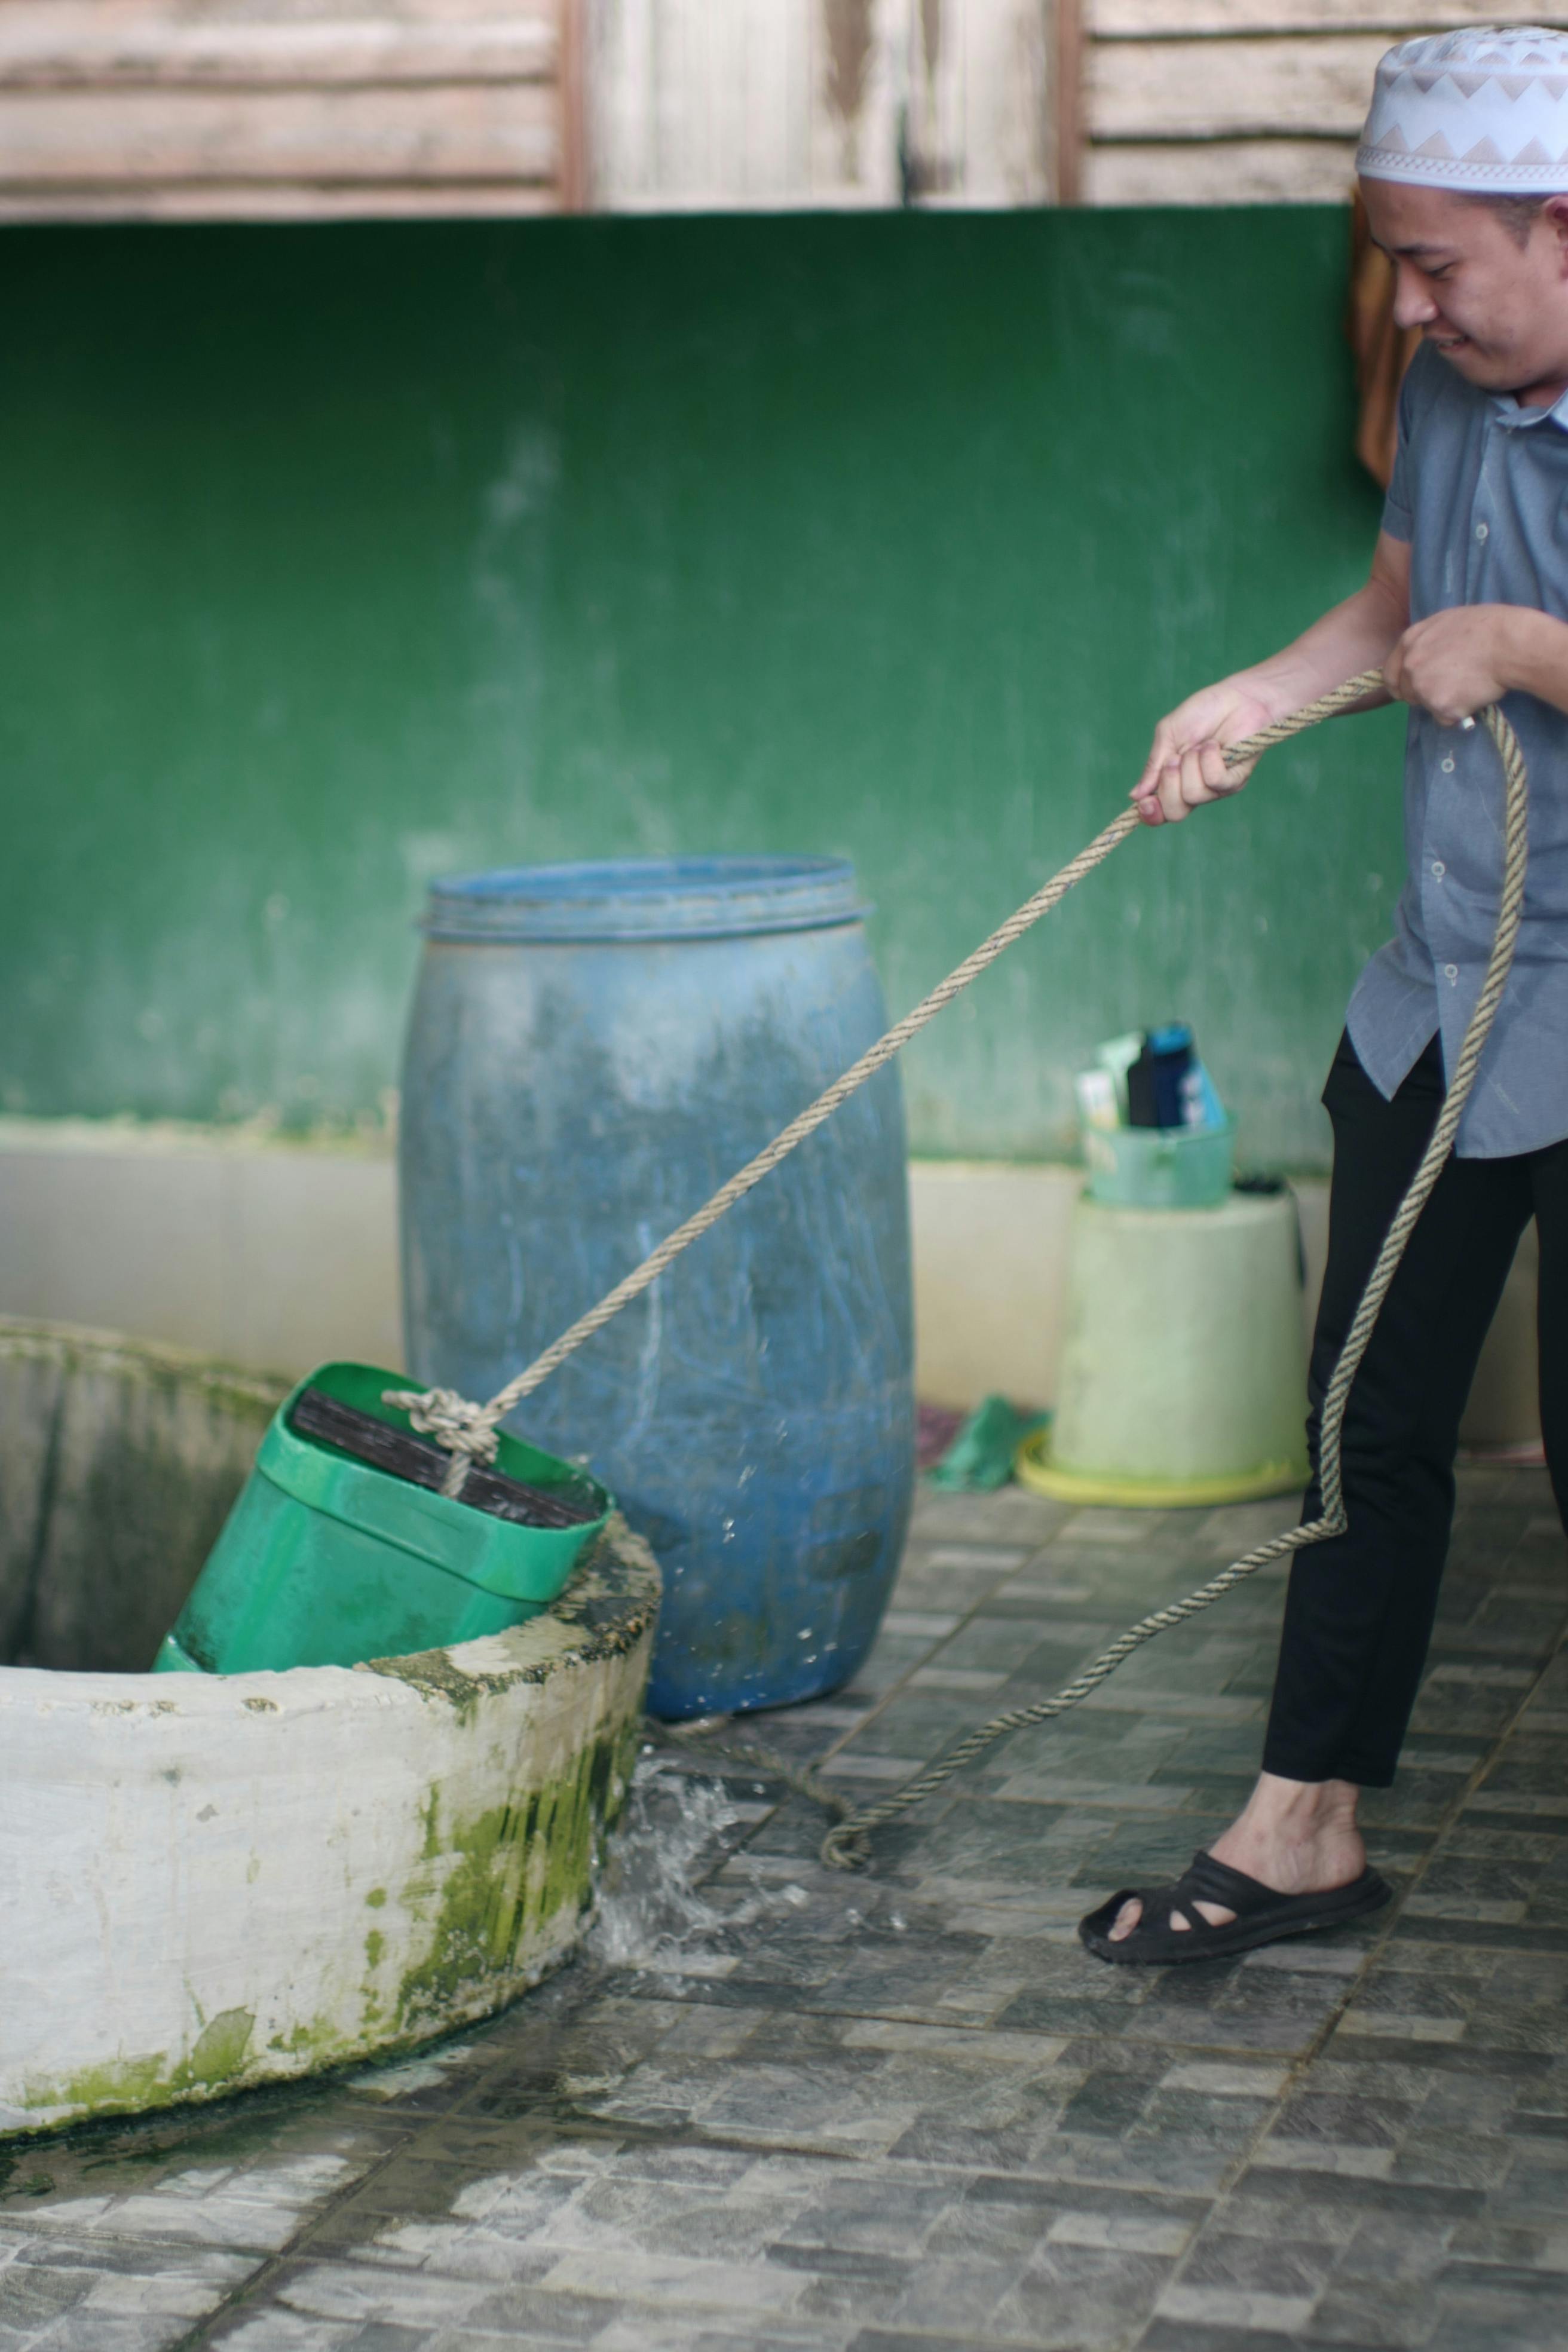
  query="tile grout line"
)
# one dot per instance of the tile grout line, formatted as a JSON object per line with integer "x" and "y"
{"x": 595, "y": 2127}
{"x": 818, "y": 1762}
{"x": 246, "y": 2289}
{"x": 840, "y": 1746}
{"x": 199, "y": 2332}
{"x": 1300, "y": 2068}
{"x": 417, "y": 2129}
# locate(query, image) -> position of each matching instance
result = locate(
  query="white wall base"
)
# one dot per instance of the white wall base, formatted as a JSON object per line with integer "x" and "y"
{"x": 990, "y": 1250}
{"x": 279, "y": 1256}
{"x": 270, "y": 1256}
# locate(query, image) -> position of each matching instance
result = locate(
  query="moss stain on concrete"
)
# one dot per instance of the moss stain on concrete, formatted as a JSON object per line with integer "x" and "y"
{"x": 122, "y": 2086}
{"x": 481, "y": 1907}
{"x": 513, "y": 1869}
{"x": 320, "y": 2042}
{"x": 517, "y": 1867}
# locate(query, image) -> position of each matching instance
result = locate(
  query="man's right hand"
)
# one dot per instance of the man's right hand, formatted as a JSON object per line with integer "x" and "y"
{"x": 1186, "y": 764}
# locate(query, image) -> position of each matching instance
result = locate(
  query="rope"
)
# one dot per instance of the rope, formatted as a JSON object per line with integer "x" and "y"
{"x": 844, "y": 1846}
{"x": 799, "y": 1778}
{"x": 468, "y": 1430}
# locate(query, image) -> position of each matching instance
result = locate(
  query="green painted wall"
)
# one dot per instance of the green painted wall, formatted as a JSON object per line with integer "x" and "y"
{"x": 333, "y": 558}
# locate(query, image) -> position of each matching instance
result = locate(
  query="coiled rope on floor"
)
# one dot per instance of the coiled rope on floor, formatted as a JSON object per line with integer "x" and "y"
{"x": 467, "y": 1431}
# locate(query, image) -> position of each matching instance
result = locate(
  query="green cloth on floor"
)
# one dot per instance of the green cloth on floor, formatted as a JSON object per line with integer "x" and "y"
{"x": 982, "y": 1455}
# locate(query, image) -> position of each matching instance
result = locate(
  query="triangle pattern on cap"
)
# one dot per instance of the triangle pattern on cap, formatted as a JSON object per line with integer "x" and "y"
{"x": 1483, "y": 107}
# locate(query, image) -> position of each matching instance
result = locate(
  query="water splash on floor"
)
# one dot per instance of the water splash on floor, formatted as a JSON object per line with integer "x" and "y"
{"x": 656, "y": 1909}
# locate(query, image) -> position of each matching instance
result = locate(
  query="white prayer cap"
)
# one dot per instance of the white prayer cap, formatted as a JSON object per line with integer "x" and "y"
{"x": 1482, "y": 110}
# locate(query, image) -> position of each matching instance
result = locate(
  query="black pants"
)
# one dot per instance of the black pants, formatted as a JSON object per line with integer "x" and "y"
{"x": 1360, "y": 1610}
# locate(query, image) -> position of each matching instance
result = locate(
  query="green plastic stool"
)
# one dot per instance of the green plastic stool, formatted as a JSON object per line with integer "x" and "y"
{"x": 1183, "y": 1371}
{"x": 325, "y": 1561}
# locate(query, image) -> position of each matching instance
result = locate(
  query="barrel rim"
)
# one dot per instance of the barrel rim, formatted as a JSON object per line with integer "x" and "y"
{"x": 638, "y": 898}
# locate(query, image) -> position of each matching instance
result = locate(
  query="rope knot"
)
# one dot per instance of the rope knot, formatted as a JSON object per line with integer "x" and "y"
{"x": 465, "y": 1429}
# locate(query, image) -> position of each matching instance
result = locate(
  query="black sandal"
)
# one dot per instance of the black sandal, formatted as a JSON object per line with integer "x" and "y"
{"x": 1261, "y": 1914}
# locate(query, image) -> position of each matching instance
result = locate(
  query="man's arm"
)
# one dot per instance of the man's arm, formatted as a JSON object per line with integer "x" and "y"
{"x": 1186, "y": 766}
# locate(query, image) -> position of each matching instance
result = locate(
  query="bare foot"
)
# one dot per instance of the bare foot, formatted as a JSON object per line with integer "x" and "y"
{"x": 1300, "y": 1837}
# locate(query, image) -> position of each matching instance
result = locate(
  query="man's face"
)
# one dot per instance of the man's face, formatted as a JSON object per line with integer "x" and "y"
{"x": 1496, "y": 310}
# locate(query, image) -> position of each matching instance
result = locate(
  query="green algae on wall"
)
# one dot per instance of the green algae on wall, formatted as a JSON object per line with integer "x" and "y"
{"x": 216, "y": 2062}
{"x": 518, "y": 1866}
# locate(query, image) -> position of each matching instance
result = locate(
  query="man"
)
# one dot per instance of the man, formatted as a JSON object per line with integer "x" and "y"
{"x": 1464, "y": 169}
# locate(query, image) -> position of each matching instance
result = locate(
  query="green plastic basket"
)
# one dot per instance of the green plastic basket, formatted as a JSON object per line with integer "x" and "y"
{"x": 325, "y": 1561}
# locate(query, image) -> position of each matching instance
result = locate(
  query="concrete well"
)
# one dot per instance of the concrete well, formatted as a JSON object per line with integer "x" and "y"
{"x": 216, "y": 1882}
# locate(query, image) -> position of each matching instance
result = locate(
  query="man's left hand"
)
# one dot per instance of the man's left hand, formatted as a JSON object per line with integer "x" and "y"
{"x": 1453, "y": 664}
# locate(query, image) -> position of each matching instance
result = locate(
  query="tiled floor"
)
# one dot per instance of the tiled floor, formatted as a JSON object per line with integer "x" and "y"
{"x": 904, "y": 2113}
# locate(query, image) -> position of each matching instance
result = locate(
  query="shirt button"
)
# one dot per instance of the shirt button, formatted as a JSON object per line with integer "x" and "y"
{"x": 1450, "y": 971}
{"x": 1481, "y": 531}
{"x": 1447, "y": 767}
{"x": 1439, "y": 868}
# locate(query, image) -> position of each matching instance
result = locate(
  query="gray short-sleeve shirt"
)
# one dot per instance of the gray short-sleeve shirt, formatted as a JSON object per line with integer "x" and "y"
{"x": 1480, "y": 493}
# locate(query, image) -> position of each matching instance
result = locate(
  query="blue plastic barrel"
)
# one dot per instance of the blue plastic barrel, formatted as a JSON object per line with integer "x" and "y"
{"x": 592, "y": 1049}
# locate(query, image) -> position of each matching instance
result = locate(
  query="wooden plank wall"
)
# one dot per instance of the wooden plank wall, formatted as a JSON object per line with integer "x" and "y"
{"x": 1241, "y": 102}
{"x": 262, "y": 109}
{"x": 979, "y": 123}
{"x": 315, "y": 107}
{"x": 725, "y": 105}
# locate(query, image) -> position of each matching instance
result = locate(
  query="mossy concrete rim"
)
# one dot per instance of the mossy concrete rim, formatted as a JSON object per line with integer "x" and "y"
{"x": 75, "y": 1345}
{"x": 218, "y": 1882}
{"x": 610, "y": 1599}
{"x": 607, "y": 1609}
{"x": 607, "y": 1606}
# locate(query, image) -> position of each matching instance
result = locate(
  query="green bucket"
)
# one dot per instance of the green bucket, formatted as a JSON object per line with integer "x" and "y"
{"x": 325, "y": 1561}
